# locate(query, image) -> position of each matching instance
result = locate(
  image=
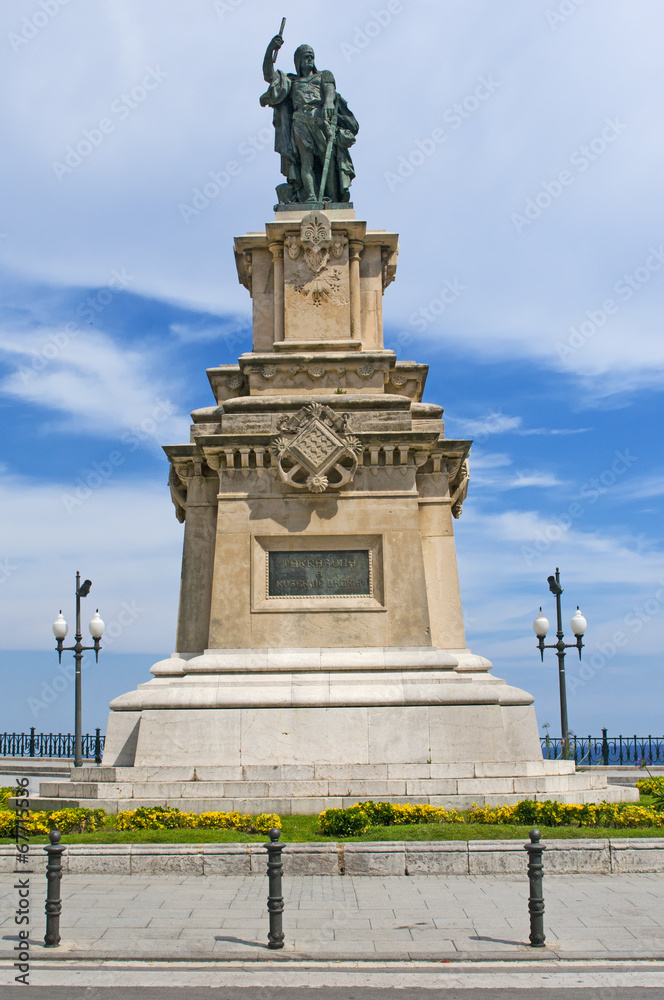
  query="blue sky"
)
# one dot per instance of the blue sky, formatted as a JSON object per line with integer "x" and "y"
{"x": 517, "y": 150}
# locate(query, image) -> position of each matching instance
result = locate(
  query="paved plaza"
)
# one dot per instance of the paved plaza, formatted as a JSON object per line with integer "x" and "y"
{"x": 430, "y": 918}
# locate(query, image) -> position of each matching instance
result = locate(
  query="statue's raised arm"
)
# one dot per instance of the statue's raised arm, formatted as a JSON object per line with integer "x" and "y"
{"x": 271, "y": 54}
{"x": 314, "y": 129}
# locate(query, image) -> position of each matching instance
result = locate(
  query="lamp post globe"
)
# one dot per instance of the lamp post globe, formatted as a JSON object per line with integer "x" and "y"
{"x": 578, "y": 623}
{"x": 60, "y": 627}
{"x": 96, "y": 626}
{"x": 540, "y": 625}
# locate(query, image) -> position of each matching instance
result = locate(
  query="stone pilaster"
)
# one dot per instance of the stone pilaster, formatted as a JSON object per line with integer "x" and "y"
{"x": 277, "y": 251}
{"x": 200, "y": 487}
{"x": 442, "y": 578}
{"x": 355, "y": 252}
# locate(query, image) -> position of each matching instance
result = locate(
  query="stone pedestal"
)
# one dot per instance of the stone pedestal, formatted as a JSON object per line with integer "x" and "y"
{"x": 321, "y": 653}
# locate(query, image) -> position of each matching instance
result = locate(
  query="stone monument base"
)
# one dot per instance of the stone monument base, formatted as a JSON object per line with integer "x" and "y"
{"x": 231, "y": 730}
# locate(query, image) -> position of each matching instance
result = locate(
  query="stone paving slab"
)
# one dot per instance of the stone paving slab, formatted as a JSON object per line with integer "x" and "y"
{"x": 428, "y": 917}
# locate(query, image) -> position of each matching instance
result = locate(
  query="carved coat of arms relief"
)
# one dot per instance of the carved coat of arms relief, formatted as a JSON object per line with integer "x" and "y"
{"x": 315, "y": 449}
{"x": 315, "y": 248}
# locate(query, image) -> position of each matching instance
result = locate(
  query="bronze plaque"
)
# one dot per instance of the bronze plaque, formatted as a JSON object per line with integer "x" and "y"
{"x": 331, "y": 573}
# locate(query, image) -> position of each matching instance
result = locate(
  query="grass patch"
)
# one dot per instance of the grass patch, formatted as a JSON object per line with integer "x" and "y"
{"x": 302, "y": 829}
{"x": 484, "y": 831}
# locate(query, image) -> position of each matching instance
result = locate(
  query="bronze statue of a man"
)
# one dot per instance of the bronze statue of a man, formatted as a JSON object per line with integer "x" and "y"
{"x": 314, "y": 129}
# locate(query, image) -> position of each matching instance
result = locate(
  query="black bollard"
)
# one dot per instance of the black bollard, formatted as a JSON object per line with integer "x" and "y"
{"x": 275, "y": 899}
{"x": 54, "y": 853}
{"x": 536, "y": 899}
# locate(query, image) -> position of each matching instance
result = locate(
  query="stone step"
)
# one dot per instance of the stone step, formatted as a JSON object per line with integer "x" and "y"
{"x": 298, "y": 772}
{"x": 51, "y": 767}
{"x": 623, "y": 774}
{"x": 311, "y": 805}
{"x": 403, "y": 788}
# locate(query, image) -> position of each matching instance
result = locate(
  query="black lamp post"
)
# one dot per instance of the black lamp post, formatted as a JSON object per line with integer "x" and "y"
{"x": 541, "y": 627}
{"x": 60, "y": 632}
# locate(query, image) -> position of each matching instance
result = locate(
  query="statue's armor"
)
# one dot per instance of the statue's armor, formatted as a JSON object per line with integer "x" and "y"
{"x": 308, "y": 96}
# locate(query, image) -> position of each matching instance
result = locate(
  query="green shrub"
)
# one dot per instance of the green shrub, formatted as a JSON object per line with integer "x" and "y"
{"x": 352, "y": 822}
{"x": 7, "y": 793}
{"x": 654, "y": 785}
{"x": 151, "y": 818}
{"x": 357, "y": 819}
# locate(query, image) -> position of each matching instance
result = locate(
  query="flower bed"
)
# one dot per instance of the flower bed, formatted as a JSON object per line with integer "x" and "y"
{"x": 64, "y": 820}
{"x": 357, "y": 819}
{"x": 156, "y": 818}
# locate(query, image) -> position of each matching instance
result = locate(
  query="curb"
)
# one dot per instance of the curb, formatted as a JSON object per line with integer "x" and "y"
{"x": 387, "y": 858}
{"x": 261, "y": 954}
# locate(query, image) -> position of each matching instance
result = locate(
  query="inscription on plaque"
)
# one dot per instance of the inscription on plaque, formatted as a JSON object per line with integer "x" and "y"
{"x": 338, "y": 573}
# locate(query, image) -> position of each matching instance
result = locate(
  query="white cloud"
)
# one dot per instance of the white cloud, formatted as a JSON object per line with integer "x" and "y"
{"x": 539, "y": 479}
{"x": 618, "y": 580}
{"x": 641, "y": 489}
{"x": 552, "y": 431}
{"x": 227, "y": 333}
{"x": 533, "y": 541}
{"x": 99, "y": 386}
{"x": 481, "y": 461}
{"x": 483, "y": 471}
{"x": 492, "y": 423}
{"x": 500, "y": 423}
{"x": 124, "y": 537}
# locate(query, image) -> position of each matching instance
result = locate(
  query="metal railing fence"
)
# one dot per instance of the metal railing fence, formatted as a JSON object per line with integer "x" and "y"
{"x": 606, "y": 749}
{"x": 602, "y": 749}
{"x": 58, "y": 745}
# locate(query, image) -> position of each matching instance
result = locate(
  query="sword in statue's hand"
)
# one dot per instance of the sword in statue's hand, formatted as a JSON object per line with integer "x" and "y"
{"x": 332, "y": 134}
{"x": 280, "y": 38}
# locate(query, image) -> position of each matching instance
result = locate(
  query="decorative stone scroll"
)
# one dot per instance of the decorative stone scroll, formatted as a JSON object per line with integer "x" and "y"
{"x": 315, "y": 450}
{"x": 459, "y": 489}
{"x": 178, "y": 494}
